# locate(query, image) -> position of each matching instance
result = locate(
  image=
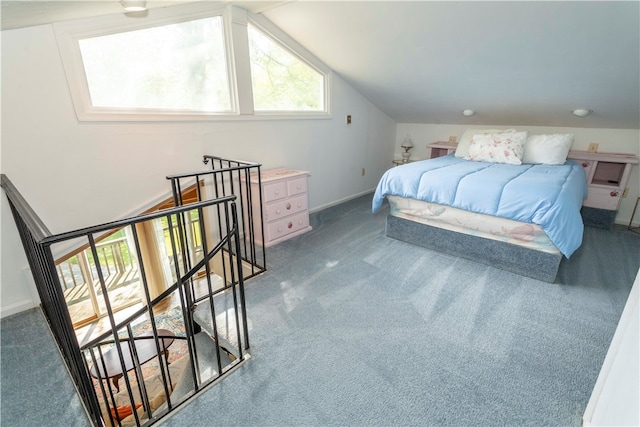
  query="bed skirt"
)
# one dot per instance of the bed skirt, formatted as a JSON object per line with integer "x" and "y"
{"x": 505, "y": 256}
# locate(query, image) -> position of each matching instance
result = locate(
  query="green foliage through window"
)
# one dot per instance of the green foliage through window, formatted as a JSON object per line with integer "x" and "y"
{"x": 190, "y": 62}
{"x": 281, "y": 81}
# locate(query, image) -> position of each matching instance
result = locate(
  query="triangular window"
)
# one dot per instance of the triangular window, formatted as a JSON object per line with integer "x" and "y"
{"x": 282, "y": 81}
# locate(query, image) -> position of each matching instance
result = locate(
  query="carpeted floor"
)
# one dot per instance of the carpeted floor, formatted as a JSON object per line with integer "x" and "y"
{"x": 353, "y": 328}
{"x": 350, "y": 327}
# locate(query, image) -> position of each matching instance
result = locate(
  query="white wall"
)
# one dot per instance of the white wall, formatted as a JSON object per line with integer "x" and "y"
{"x": 616, "y": 395}
{"x": 77, "y": 174}
{"x": 17, "y": 291}
{"x": 610, "y": 140}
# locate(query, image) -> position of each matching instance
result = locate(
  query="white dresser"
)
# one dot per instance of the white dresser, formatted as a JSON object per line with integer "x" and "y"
{"x": 285, "y": 204}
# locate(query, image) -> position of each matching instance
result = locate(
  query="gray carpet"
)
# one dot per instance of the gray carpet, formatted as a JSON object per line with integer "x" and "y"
{"x": 349, "y": 327}
{"x": 353, "y": 328}
{"x": 36, "y": 389}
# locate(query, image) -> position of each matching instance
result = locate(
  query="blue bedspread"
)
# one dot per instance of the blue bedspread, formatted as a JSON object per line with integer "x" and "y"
{"x": 550, "y": 196}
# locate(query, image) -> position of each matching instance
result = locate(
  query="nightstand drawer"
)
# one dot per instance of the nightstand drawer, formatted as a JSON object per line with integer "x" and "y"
{"x": 297, "y": 186}
{"x": 287, "y": 225}
{"x": 603, "y": 198}
{"x": 275, "y": 191}
{"x": 274, "y": 211}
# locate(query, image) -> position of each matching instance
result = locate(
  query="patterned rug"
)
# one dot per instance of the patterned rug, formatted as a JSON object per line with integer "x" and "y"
{"x": 173, "y": 321}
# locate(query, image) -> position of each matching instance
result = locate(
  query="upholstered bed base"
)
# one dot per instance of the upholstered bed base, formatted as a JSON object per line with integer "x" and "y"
{"x": 506, "y": 256}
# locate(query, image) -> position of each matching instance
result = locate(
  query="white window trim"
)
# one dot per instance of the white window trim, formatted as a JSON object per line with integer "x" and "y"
{"x": 237, "y": 50}
{"x": 68, "y": 34}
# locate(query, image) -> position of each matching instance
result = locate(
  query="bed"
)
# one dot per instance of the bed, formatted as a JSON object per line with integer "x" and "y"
{"x": 522, "y": 218}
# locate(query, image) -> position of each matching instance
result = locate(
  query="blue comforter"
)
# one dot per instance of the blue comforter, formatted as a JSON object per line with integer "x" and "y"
{"x": 550, "y": 196}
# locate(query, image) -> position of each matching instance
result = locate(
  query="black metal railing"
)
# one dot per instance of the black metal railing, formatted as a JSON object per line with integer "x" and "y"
{"x": 159, "y": 351}
{"x": 231, "y": 177}
{"x": 33, "y": 232}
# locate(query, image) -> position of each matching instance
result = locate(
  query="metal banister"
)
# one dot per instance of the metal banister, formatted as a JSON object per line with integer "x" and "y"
{"x": 226, "y": 177}
{"x": 31, "y": 219}
{"x": 225, "y": 246}
{"x": 207, "y": 157}
{"x": 134, "y": 220}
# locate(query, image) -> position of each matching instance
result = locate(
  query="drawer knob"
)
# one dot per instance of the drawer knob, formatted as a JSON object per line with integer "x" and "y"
{"x": 299, "y": 187}
{"x": 278, "y": 211}
{"x": 614, "y": 194}
{"x": 288, "y": 206}
{"x": 299, "y": 204}
{"x": 279, "y": 229}
{"x": 276, "y": 192}
{"x": 290, "y": 225}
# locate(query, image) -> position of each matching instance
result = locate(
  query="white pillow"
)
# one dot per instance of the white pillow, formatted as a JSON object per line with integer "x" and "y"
{"x": 505, "y": 147}
{"x": 462, "y": 150}
{"x": 547, "y": 149}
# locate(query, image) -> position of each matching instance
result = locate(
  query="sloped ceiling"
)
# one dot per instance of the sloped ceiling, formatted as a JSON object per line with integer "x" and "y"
{"x": 26, "y": 13}
{"x": 513, "y": 62}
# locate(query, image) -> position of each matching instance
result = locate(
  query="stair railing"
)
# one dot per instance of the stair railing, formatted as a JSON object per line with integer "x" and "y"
{"x": 230, "y": 177}
{"x": 120, "y": 339}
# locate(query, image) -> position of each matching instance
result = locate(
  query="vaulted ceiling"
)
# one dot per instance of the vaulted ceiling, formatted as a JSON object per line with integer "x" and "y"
{"x": 513, "y": 62}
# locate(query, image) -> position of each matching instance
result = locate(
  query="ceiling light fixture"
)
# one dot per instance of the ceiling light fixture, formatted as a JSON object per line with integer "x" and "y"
{"x": 581, "y": 112}
{"x": 468, "y": 113}
{"x": 134, "y": 5}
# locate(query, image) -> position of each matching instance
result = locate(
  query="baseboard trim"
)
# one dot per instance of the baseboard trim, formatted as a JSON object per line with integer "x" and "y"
{"x": 17, "y": 307}
{"x": 339, "y": 201}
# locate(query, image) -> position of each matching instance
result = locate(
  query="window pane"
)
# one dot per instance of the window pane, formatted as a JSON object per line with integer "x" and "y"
{"x": 172, "y": 67}
{"x": 281, "y": 81}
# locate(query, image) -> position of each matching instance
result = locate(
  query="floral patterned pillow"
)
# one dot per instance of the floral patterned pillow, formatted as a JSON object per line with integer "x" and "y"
{"x": 498, "y": 147}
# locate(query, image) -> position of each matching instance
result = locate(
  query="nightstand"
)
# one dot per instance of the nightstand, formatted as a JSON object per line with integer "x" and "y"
{"x": 398, "y": 162}
{"x": 633, "y": 214}
{"x": 441, "y": 148}
{"x": 607, "y": 176}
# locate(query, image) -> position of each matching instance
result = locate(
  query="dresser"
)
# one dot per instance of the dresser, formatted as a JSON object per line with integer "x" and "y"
{"x": 285, "y": 204}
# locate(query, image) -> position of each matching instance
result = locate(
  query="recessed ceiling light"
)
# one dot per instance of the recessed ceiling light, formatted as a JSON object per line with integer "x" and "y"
{"x": 468, "y": 113}
{"x": 581, "y": 112}
{"x": 134, "y": 5}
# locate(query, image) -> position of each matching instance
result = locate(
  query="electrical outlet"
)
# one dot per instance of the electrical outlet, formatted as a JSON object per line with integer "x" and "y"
{"x": 452, "y": 139}
{"x": 625, "y": 193}
{"x": 349, "y": 119}
{"x": 593, "y": 147}
{"x": 362, "y": 173}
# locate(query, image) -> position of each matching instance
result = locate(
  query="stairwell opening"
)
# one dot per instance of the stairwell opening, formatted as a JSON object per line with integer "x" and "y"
{"x": 188, "y": 326}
